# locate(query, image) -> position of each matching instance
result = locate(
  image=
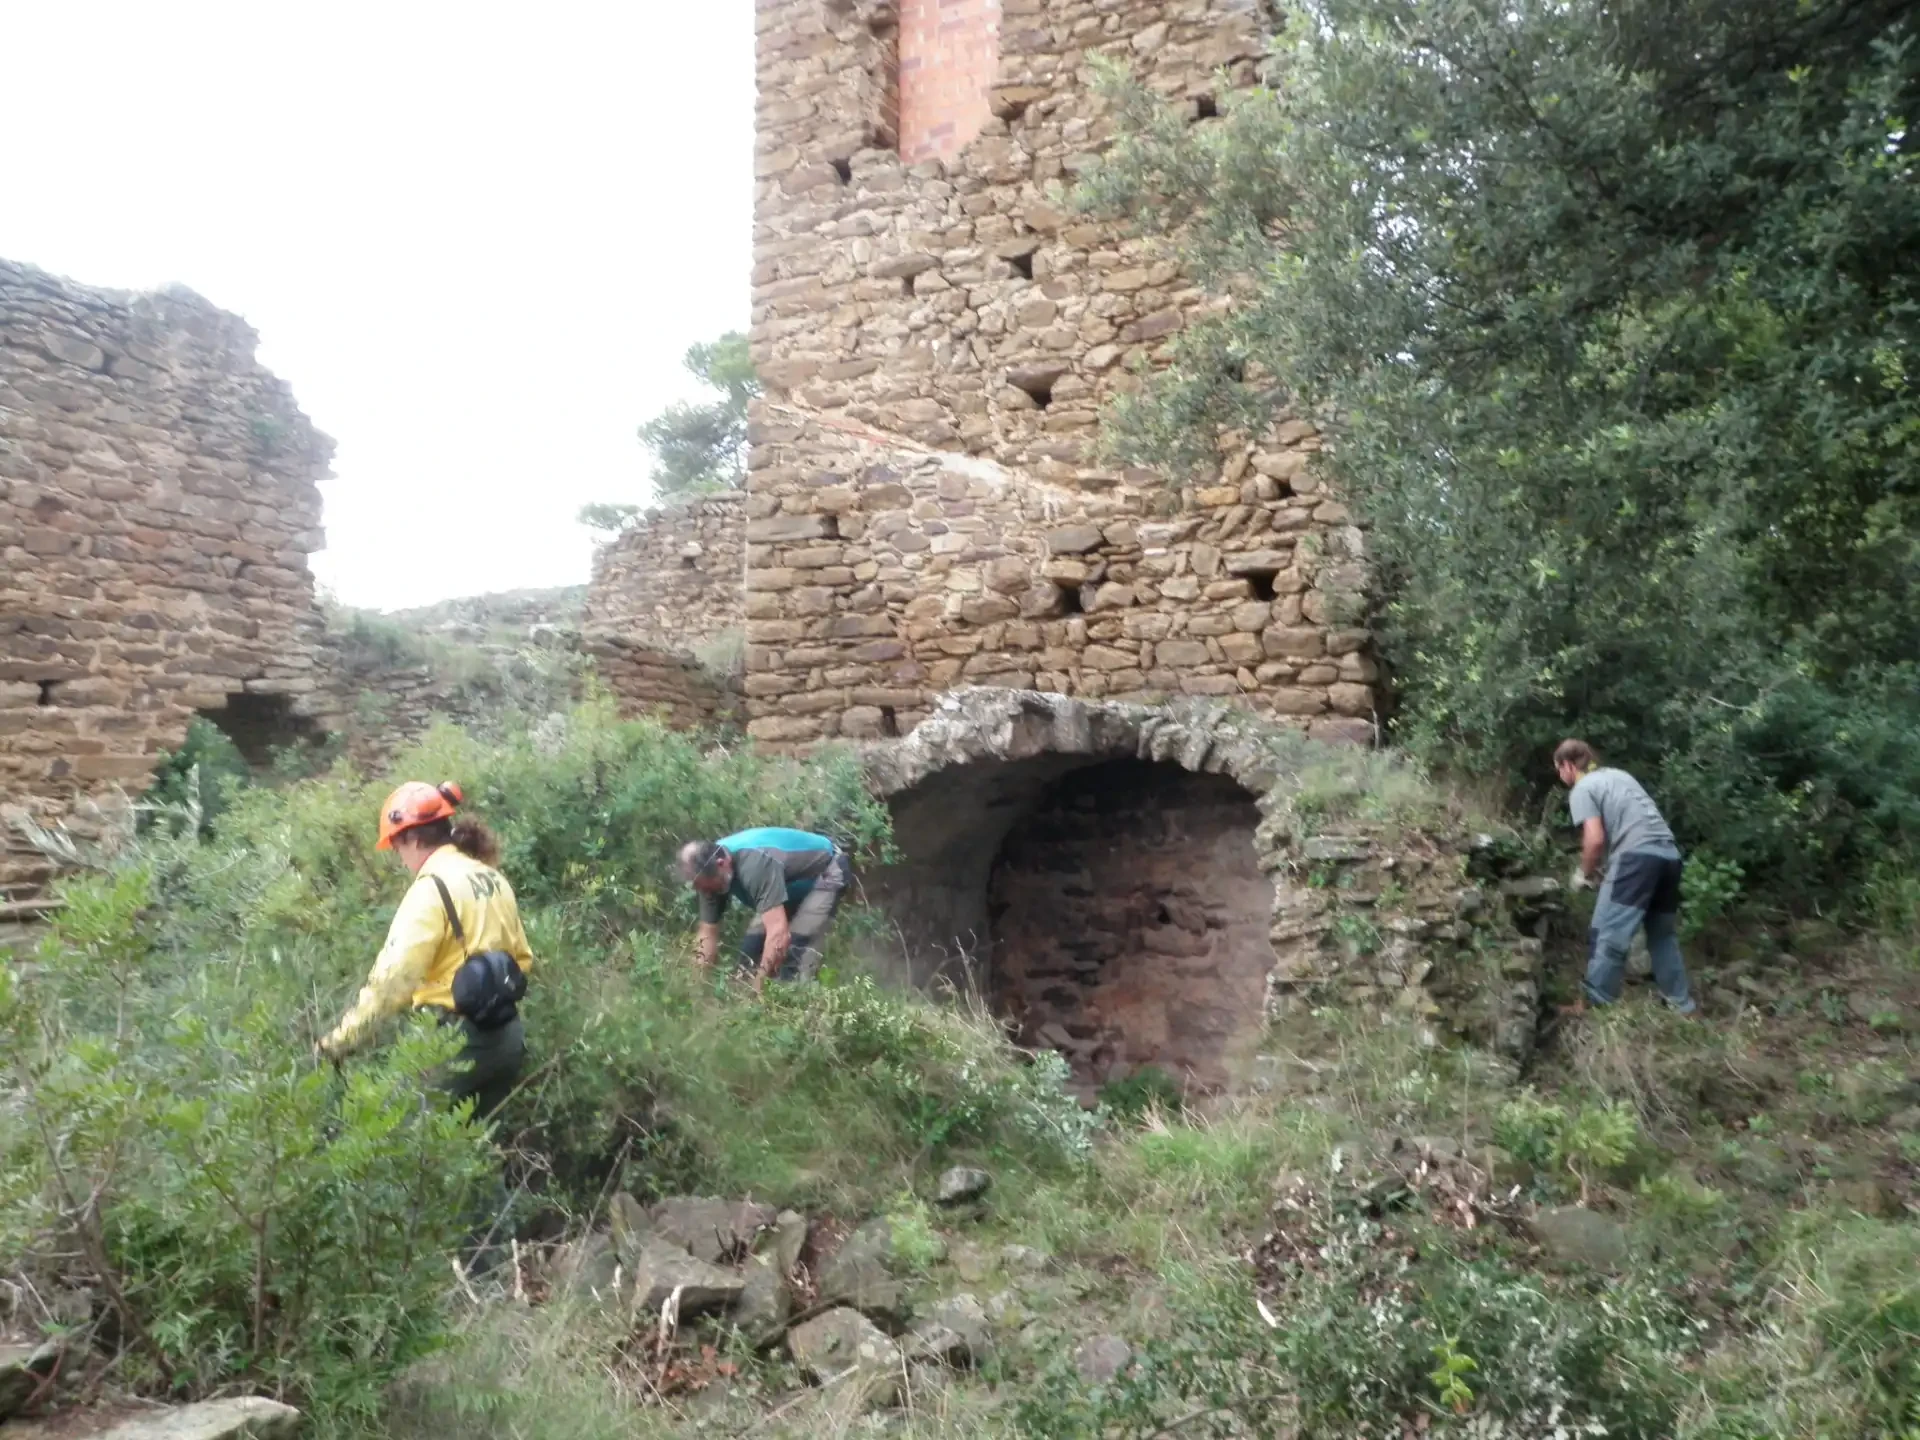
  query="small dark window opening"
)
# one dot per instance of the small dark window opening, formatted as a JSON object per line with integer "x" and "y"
{"x": 844, "y": 169}
{"x": 1163, "y": 915}
{"x": 46, "y": 692}
{"x": 1260, "y": 582}
{"x": 1038, "y": 386}
{"x": 1205, "y": 107}
{"x": 689, "y": 562}
{"x": 1070, "y": 603}
{"x": 889, "y": 721}
{"x": 1022, "y": 265}
{"x": 906, "y": 287}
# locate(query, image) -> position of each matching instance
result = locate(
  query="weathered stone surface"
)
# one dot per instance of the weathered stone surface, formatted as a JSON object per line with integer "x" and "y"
{"x": 660, "y": 1268}
{"x": 1073, "y": 539}
{"x": 936, "y": 343}
{"x": 789, "y": 527}
{"x": 710, "y": 1229}
{"x": 954, "y": 1331}
{"x": 1190, "y": 920}
{"x": 961, "y": 1183}
{"x": 1101, "y": 1359}
{"x": 766, "y": 1296}
{"x": 247, "y": 1418}
{"x": 860, "y": 1273}
{"x": 155, "y": 519}
{"x": 673, "y": 581}
{"x": 1336, "y": 847}
{"x": 24, "y": 1369}
{"x": 843, "y": 1348}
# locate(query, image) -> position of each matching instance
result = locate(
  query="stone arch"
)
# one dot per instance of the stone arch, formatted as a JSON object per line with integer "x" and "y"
{"x": 1100, "y": 874}
{"x": 262, "y": 723}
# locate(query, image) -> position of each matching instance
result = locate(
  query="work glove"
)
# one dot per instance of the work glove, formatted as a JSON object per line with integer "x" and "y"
{"x": 1578, "y": 880}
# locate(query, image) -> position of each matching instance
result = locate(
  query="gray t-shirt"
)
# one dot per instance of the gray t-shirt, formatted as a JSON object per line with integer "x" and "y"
{"x": 1632, "y": 820}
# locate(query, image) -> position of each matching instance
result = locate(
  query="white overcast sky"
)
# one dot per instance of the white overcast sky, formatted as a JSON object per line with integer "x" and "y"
{"x": 475, "y": 239}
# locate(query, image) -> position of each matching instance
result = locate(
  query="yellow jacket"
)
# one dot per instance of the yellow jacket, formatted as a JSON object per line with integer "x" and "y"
{"x": 416, "y": 964}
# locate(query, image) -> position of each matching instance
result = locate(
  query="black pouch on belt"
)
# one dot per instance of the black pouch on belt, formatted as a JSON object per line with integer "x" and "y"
{"x": 487, "y": 987}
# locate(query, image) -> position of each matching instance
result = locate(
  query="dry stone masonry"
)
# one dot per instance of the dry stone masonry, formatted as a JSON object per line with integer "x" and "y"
{"x": 673, "y": 580}
{"x": 1141, "y": 885}
{"x": 936, "y": 332}
{"x": 158, "y": 501}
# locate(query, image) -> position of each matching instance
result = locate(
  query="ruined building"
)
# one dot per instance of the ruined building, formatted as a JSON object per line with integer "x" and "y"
{"x": 926, "y": 509}
{"x": 158, "y": 501}
{"x": 1088, "y": 696}
{"x": 936, "y": 331}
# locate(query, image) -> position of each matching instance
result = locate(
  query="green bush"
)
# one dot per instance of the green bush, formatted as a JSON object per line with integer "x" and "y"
{"x": 1147, "y": 1089}
{"x": 1366, "y": 1339}
{"x": 243, "y": 1214}
{"x": 204, "y": 772}
{"x": 1604, "y": 297}
{"x": 251, "y": 1219}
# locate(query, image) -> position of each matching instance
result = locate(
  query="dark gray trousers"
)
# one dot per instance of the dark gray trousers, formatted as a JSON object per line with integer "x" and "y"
{"x": 487, "y": 1067}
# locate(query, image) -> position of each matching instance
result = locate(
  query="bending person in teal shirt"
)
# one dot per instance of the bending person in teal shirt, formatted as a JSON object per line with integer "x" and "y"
{"x": 792, "y": 880}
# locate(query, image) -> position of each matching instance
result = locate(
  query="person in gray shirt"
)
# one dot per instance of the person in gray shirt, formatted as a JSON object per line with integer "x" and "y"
{"x": 1624, "y": 836}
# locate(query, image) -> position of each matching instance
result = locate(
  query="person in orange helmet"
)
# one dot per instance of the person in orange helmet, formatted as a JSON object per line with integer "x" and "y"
{"x": 455, "y": 948}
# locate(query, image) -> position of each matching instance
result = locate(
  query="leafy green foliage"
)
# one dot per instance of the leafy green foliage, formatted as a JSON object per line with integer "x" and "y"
{"x": 244, "y": 1213}
{"x": 1586, "y": 1141}
{"x": 1147, "y": 1089}
{"x": 1357, "y": 1353}
{"x": 1605, "y": 305}
{"x": 203, "y": 772}
{"x": 252, "y": 1219}
{"x": 697, "y": 447}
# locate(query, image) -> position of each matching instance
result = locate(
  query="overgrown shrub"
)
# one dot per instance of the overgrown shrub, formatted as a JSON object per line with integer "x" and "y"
{"x": 242, "y": 1213}
{"x": 1381, "y": 1338}
{"x": 204, "y": 772}
{"x": 1601, "y": 301}
{"x": 252, "y": 1219}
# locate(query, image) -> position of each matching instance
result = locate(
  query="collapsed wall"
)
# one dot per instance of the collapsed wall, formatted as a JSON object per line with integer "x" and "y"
{"x": 936, "y": 333}
{"x": 158, "y": 501}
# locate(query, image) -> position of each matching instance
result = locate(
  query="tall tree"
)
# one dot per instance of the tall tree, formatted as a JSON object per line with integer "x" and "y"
{"x": 697, "y": 446}
{"x": 1612, "y": 306}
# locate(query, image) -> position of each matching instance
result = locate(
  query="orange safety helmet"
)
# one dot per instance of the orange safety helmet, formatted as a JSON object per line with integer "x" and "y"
{"x": 416, "y": 803}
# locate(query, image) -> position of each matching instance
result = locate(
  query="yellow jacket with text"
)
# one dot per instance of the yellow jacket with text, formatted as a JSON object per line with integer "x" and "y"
{"x": 417, "y": 963}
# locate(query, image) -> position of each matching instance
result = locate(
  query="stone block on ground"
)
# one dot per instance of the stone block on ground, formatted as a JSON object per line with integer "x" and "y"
{"x": 956, "y": 1331}
{"x": 708, "y": 1229}
{"x": 1101, "y": 1359}
{"x": 960, "y": 1184}
{"x": 24, "y": 1368}
{"x": 788, "y": 1239}
{"x": 843, "y": 1348}
{"x": 588, "y": 1268}
{"x": 766, "y": 1296}
{"x": 660, "y": 1268}
{"x": 247, "y": 1418}
{"x": 860, "y": 1273}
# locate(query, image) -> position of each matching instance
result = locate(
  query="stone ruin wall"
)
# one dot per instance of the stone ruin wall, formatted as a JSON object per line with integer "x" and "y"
{"x": 673, "y": 579}
{"x": 158, "y": 501}
{"x": 936, "y": 332}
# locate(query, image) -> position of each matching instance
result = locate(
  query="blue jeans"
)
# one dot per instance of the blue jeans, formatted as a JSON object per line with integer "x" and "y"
{"x": 1642, "y": 889}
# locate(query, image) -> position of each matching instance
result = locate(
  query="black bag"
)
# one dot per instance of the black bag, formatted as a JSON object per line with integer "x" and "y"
{"x": 487, "y": 987}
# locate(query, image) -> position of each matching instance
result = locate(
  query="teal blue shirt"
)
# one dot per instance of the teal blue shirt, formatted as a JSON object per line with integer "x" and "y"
{"x": 772, "y": 868}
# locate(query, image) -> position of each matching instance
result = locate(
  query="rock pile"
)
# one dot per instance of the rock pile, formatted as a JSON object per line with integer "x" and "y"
{"x": 843, "y": 1316}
